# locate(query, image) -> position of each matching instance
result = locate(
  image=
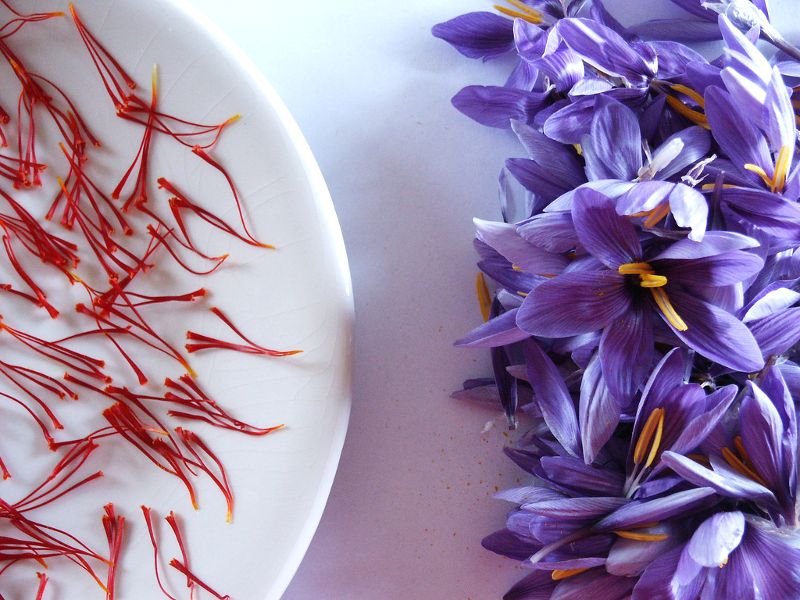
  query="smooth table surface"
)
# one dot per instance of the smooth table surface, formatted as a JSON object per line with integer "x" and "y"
{"x": 370, "y": 88}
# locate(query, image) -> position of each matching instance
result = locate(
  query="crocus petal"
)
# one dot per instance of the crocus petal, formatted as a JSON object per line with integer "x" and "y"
{"x": 585, "y": 479}
{"x": 608, "y": 236}
{"x": 597, "y": 585}
{"x": 528, "y": 494}
{"x": 630, "y": 334}
{"x": 552, "y": 231}
{"x": 762, "y": 431}
{"x": 644, "y": 196}
{"x": 570, "y": 123}
{"x": 776, "y": 297}
{"x": 716, "y": 538}
{"x": 598, "y": 411}
{"x": 680, "y": 30}
{"x": 559, "y": 160}
{"x": 574, "y": 303}
{"x": 777, "y": 333}
{"x": 500, "y": 331}
{"x": 542, "y": 179}
{"x": 505, "y": 543}
{"x": 616, "y": 139}
{"x": 538, "y": 585}
{"x": 696, "y": 143}
{"x": 477, "y": 34}
{"x": 777, "y": 116}
{"x": 577, "y": 508}
{"x": 553, "y": 398}
{"x": 628, "y": 557}
{"x": 604, "y": 49}
{"x": 741, "y": 141}
{"x": 564, "y": 67}
{"x": 731, "y": 485}
{"x": 769, "y": 212}
{"x": 698, "y": 428}
{"x": 504, "y": 238}
{"x": 674, "y": 58}
{"x": 689, "y": 209}
{"x": 649, "y": 511}
{"x": 719, "y": 270}
{"x": 496, "y": 106}
{"x": 713, "y": 243}
{"x": 715, "y": 333}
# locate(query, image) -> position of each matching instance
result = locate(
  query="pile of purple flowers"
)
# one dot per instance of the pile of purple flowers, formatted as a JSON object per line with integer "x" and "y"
{"x": 646, "y": 305}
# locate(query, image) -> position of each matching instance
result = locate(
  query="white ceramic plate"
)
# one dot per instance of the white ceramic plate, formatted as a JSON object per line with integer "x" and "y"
{"x": 295, "y": 297}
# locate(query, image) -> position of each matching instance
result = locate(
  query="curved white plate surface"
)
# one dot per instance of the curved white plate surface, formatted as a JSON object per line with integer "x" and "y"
{"x": 295, "y": 297}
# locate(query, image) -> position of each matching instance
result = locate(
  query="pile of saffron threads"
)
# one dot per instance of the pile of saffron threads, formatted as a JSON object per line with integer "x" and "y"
{"x": 641, "y": 298}
{"x": 102, "y": 241}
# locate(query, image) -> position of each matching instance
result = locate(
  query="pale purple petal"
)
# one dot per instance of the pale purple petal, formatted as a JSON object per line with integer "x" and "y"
{"x": 674, "y": 58}
{"x": 530, "y": 40}
{"x": 644, "y": 196}
{"x": 552, "y": 396}
{"x": 564, "y": 67}
{"x": 570, "y": 123}
{"x": 528, "y": 494}
{"x": 577, "y": 508}
{"x": 762, "y": 431}
{"x": 598, "y": 411}
{"x": 778, "y": 332}
{"x": 496, "y": 106}
{"x": 504, "y": 238}
{"x": 616, "y": 139}
{"x": 477, "y": 34}
{"x": 500, "y": 331}
{"x": 714, "y": 242}
{"x": 628, "y": 558}
{"x": 680, "y": 30}
{"x": 777, "y": 116}
{"x": 574, "y": 303}
{"x": 696, "y": 143}
{"x": 552, "y": 231}
{"x": 689, "y": 209}
{"x": 716, "y": 538}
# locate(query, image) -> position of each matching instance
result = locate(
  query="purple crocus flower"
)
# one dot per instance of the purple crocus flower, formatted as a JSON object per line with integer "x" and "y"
{"x": 626, "y": 286}
{"x": 760, "y": 463}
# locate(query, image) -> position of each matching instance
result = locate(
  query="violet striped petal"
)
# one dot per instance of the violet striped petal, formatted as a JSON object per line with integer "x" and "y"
{"x": 477, "y": 34}
{"x": 538, "y": 585}
{"x": 540, "y": 179}
{"x": 557, "y": 158}
{"x": 574, "y": 563}
{"x": 778, "y": 332}
{"x": 597, "y": 585}
{"x": 616, "y": 138}
{"x": 530, "y": 40}
{"x": 500, "y": 331}
{"x": 505, "y": 543}
{"x": 563, "y": 66}
{"x": 640, "y": 512}
{"x": 528, "y": 494}
{"x": 713, "y": 243}
{"x": 552, "y": 231}
{"x": 762, "y": 431}
{"x": 584, "y": 479}
{"x": 679, "y": 30}
{"x": 574, "y": 303}
{"x": 504, "y": 238}
{"x": 496, "y": 106}
{"x": 610, "y": 237}
{"x": 777, "y": 115}
{"x": 598, "y": 411}
{"x": 628, "y": 558}
{"x": 689, "y": 209}
{"x": 714, "y": 333}
{"x": 552, "y": 396}
{"x": 630, "y": 334}
{"x": 719, "y": 270}
{"x": 583, "y": 509}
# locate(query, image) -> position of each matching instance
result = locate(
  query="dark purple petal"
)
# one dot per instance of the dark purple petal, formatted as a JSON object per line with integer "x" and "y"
{"x": 674, "y": 58}
{"x": 594, "y": 584}
{"x": 695, "y": 7}
{"x": 629, "y": 335}
{"x": 524, "y": 76}
{"x": 559, "y": 160}
{"x": 770, "y": 212}
{"x": 554, "y": 400}
{"x": 583, "y": 478}
{"x": 538, "y": 585}
{"x": 640, "y": 512}
{"x": 496, "y": 106}
{"x": 570, "y": 123}
{"x": 574, "y": 303}
{"x": 715, "y": 333}
{"x": 716, "y": 538}
{"x": 477, "y": 34}
{"x": 679, "y": 30}
{"x": 598, "y": 411}
{"x": 762, "y": 431}
{"x": 610, "y": 237}
{"x": 574, "y": 563}
{"x": 540, "y": 179}
{"x": 656, "y": 583}
{"x": 507, "y": 544}
{"x": 604, "y": 49}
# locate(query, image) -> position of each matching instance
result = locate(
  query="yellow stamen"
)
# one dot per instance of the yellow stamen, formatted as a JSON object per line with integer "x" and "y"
{"x": 642, "y": 537}
{"x": 528, "y": 14}
{"x": 648, "y": 280}
{"x": 724, "y": 562}
{"x": 781, "y": 168}
{"x": 578, "y": 149}
{"x": 682, "y": 89}
{"x": 654, "y": 215}
{"x": 640, "y": 268}
{"x": 647, "y": 433}
{"x": 710, "y": 186}
{"x": 662, "y": 300}
{"x": 760, "y": 172}
{"x": 484, "y": 300}
{"x": 656, "y": 440}
{"x": 739, "y": 445}
{"x": 739, "y": 466}
{"x": 563, "y": 574}
{"x": 692, "y": 115}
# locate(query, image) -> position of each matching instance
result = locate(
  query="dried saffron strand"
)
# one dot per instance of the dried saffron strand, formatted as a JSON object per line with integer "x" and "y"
{"x": 250, "y": 348}
{"x": 113, "y": 525}
{"x": 151, "y": 531}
